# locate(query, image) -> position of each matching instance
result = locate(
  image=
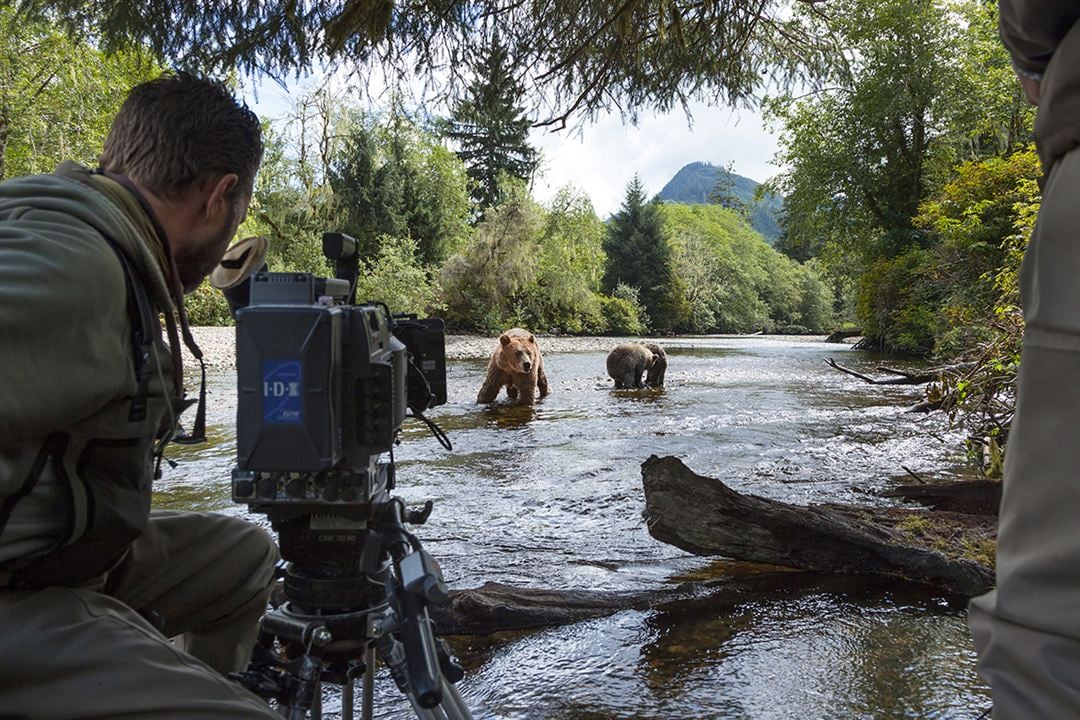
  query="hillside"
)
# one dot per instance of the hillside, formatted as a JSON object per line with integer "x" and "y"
{"x": 693, "y": 183}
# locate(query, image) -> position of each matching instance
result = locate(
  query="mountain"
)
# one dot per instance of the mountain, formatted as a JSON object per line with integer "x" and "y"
{"x": 694, "y": 183}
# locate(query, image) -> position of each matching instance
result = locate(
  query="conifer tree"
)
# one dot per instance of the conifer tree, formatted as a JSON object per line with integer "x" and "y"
{"x": 724, "y": 193}
{"x": 639, "y": 255}
{"x": 491, "y": 129}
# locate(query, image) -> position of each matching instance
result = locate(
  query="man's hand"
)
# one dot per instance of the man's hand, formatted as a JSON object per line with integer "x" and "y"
{"x": 1031, "y": 88}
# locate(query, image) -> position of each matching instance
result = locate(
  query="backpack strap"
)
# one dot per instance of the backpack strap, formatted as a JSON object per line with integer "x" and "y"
{"x": 143, "y": 326}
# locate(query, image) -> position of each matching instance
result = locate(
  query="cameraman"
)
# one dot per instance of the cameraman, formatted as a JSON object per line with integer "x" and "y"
{"x": 91, "y": 582}
{"x": 1028, "y": 629}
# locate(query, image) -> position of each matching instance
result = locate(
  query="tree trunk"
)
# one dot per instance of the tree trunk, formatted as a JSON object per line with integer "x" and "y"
{"x": 705, "y": 517}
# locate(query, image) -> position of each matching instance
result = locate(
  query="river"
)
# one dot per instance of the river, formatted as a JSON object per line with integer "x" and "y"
{"x": 551, "y": 496}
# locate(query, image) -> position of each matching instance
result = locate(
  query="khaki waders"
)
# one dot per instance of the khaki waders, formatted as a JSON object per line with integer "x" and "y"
{"x": 89, "y": 653}
{"x": 1027, "y": 631}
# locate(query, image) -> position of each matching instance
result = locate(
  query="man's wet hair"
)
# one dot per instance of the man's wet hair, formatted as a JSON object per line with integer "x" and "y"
{"x": 178, "y": 130}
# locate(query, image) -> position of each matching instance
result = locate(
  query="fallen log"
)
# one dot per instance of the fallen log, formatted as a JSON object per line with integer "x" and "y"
{"x": 975, "y": 497}
{"x": 495, "y": 607}
{"x": 839, "y": 336}
{"x": 901, "y": 378}
{"x": 949, "y": 551}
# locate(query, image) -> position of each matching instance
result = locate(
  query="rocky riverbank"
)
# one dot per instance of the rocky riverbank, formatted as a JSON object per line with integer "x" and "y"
{"x": 218, "y": 346}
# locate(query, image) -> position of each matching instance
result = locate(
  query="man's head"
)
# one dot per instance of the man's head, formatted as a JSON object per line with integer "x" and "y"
{"x": 194, "y": 151}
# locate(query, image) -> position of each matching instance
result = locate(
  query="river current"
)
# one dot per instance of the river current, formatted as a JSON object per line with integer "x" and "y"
{"x": 551, "y": 497}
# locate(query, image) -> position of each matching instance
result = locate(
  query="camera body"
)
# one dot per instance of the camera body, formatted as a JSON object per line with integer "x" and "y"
{"x": 324, "y": 385}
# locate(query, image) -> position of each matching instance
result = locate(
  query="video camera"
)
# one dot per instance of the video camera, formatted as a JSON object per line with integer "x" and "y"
{"x": 324, "y": 385}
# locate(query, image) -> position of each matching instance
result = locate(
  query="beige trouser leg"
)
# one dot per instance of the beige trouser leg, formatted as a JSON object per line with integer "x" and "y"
{"x": 81, "y": 653}
{"x": 206, "y": 576}
{"x": 1027, "y": 631}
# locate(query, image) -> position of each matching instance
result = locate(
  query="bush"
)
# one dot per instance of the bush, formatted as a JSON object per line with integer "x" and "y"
{"x": 396, "y": 277}
{"x": 207, "y": 306}
{"x": 623, "y": 314}
{"x": 899, "y": 303}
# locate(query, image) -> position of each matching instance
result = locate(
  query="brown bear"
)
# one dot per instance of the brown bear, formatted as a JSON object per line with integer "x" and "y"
{"x": 655, "y": 376}
{"x": 516, "y": 365}
{"x": 627, "y": 362}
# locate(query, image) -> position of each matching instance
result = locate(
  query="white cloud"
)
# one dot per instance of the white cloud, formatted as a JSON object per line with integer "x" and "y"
{"x": 604, "y": 156}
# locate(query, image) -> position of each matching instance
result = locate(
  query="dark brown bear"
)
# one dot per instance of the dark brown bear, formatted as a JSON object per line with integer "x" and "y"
{"x": 516, "y": 365}
{"x": 626, "y": 364}
{"x": 655, "y": 376}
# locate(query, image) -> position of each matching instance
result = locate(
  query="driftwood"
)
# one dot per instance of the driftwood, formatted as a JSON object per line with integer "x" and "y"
{"x": 976, "y": 497}
{"x": 494, "y": 607}
{"x": 839, "y": 336}
{"x": 703, "y": 516}
{"x": 900, "y": 377}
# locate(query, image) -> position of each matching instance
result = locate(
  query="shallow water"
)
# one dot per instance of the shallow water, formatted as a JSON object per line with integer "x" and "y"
{"x": 551, "y": 497}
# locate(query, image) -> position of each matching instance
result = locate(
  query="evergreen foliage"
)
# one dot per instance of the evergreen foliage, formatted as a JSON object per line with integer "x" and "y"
{"x": 391, "y": 178}
{"x": 723, "y": 192}
{"x": 638, "y": 255}
{"x": 58, "y": 94}
{"x": 580, "y": 58}
{"x": 491, "y": 129}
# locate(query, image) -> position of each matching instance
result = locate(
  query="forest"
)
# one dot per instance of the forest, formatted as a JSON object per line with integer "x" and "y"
{"x": 908, "y": 178}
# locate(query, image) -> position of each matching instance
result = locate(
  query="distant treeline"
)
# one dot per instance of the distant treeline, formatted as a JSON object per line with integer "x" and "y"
{"x": 390, "y": 181}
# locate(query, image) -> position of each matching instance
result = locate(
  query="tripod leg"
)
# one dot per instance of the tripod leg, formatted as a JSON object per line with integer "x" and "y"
{"x": 423, "y": 713}
{"x": 453, "y": 704}
{"x": 368, "y": 701}
{"x": 347, "y": 691}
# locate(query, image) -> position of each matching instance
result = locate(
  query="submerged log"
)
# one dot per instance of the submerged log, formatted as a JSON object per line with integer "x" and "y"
{"x": 495, "y": 607}
{"x": 975, "y": 497}
{"x": 703, "y": 516}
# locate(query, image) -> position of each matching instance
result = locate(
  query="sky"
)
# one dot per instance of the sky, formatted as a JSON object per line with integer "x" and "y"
{"x": 602, "y": 157}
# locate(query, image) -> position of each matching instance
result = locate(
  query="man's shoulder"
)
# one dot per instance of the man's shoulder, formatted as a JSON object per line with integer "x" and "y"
{"x": 54, "y": 226}
{"x": 67, "y": 198}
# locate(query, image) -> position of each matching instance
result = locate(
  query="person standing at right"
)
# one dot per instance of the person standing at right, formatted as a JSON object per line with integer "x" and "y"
{"x": 1027, "y": 630}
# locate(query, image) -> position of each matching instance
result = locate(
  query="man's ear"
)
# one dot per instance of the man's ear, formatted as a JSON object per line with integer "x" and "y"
{"x": 218, "y": 193}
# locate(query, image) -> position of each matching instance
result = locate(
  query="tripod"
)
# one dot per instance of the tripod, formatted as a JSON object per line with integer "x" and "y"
{"x": 339, "y": 616}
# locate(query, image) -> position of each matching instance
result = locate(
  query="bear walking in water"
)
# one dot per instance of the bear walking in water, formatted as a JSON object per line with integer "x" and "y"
{"x": 655, "y": 376}
{"x": 516, "y": 365}
{"x": 626, "y": 364}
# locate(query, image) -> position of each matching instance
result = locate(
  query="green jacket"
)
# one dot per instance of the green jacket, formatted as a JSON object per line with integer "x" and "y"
{"x": 75, "y": 469}
{"x": 1043, "y": 37}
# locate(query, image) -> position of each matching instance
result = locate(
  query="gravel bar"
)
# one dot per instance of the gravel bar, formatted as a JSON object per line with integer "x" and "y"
{"x": 218, "y": 346}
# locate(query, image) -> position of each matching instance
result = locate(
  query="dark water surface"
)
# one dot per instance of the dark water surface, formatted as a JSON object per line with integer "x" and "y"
{"x": 551, "y": 496}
